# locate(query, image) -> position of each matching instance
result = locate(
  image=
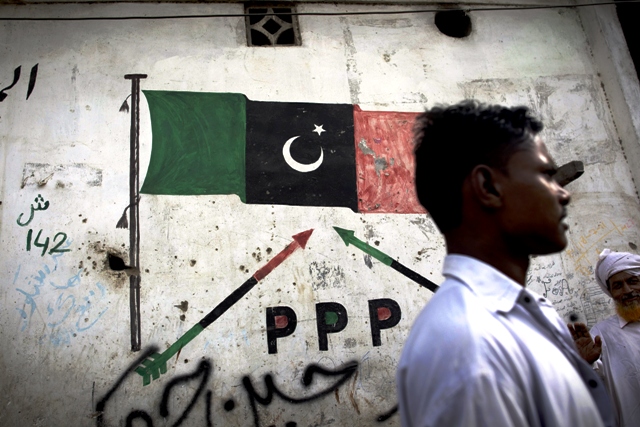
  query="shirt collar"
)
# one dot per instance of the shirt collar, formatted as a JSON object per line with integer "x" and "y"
{"x": 621, "y": 321}
{"x": 497, "y": 291}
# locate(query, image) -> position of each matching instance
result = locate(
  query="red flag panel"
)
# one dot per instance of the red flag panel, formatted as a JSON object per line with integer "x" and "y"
{"x": 384, "y": 162}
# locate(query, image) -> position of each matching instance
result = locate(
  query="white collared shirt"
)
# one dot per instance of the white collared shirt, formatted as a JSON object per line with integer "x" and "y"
{"x": 619, "y": 366}
{"x": 487, "y": 352}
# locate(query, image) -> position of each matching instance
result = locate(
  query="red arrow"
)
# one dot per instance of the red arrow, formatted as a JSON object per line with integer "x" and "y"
{"x": 299, "y": 241}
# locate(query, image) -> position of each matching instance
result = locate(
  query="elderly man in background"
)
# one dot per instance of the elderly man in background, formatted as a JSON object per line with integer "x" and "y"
{"x": 615, "y": 351}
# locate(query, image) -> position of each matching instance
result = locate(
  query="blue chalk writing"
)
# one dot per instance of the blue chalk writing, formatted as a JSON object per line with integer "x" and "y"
{"x": 67, "y": 306}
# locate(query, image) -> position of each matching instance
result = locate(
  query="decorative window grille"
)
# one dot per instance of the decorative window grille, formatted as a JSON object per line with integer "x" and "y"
{"x": 272, "y": 26}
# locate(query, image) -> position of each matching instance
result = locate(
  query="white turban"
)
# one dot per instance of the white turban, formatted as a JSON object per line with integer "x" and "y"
{"x": 610, "y": 263}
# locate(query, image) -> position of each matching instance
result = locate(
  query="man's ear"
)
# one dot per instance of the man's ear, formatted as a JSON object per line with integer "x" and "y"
{"x": 486, "y": 186}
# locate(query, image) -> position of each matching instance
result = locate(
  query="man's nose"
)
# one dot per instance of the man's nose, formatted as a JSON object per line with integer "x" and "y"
{"x": 564, "y": 195}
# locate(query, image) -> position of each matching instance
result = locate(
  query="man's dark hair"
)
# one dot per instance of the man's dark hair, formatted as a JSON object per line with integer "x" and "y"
{"x": 451, "y": 141}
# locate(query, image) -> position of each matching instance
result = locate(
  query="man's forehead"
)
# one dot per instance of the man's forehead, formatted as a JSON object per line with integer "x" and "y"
{"x": 621, "y": 275}
{"x": 536, "y": 146}
{"x": 544, "y": 152}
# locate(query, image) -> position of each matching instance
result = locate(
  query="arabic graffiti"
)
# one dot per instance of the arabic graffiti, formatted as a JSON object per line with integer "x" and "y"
{"x": 59, "y": 239}
{"x": 62, "y": 304}
{"x": 345, "y": 372}
{"x": 16, "y": 77}
{"x": 198, "y": 380}
{"x": 41, "y": 205}
{"x": 65, "y": 307}
{"x": 568, "y": 280}
{"x": 550, "y": 277}
{"x": 584, "y": 249}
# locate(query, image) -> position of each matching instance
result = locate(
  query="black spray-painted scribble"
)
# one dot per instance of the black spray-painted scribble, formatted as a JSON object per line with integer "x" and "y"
{"x": 391, "y": 412}
{"x": 101, "y": 406}
{"x": 32, "y": 80}
{"x": 202, "y": 374}
{"x": 203, "y": 370}
{"x": 343, "y": 373}
{"x": 16, "y": 78}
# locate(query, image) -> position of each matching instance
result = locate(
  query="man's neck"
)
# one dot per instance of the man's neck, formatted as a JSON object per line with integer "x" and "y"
{"x": 491, "y": 252}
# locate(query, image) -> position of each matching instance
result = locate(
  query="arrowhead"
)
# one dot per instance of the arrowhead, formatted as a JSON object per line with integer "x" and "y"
{"x": 346, "y": 235}
{"x": 303, "y": 237}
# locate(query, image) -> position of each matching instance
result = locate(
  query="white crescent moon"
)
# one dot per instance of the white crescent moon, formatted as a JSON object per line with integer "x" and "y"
{"x": 300, "y": 167}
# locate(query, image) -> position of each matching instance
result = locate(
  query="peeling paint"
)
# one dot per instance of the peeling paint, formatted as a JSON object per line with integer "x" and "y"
{"x": 362, "y": 145}
{"x": 380, "y": 163}
{"x": 354, "y": 77}
{"x": 382, "y": 23}
{"x": 326, "y": 275}
{"x": 38, "y": 174}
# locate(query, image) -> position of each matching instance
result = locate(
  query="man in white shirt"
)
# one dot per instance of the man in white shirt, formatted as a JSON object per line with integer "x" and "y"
{"x": 485, "y": 351}
{"x": 615, "y": 352}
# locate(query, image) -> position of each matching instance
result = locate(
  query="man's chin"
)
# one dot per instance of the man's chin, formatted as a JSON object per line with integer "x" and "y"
{"x": 629, "y": 312}
{"x": 550, "y": 247}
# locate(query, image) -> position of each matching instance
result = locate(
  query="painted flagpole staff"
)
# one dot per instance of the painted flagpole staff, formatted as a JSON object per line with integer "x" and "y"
{"x": 157, "y": 363}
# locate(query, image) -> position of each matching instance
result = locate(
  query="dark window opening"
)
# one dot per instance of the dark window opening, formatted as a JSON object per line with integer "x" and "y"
{"x": 259, "y": 39}
{"x": 453, "y": 23}
{"x": 272, "y": 26}
{"x": 287, "y": 37}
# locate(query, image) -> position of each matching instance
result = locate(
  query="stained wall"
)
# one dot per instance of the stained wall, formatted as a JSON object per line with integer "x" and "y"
{"x": 65, "y": 326}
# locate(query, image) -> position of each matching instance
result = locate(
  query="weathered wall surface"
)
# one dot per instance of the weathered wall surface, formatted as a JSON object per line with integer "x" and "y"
{"x": 65, "y": 354}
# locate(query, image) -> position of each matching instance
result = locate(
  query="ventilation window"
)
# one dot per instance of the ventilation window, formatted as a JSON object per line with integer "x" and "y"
{"x": 272, "y": 26}
{"x": 453, "y": 23}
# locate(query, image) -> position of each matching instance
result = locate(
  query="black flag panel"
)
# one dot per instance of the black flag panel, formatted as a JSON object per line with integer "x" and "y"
{"x": 300, "y": 154}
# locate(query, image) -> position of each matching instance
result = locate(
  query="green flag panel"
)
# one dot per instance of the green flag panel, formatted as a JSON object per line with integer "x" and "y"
{"x": 198, "y": 143}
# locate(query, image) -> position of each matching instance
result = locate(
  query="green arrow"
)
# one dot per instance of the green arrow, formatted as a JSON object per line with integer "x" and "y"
{"x": 349, "y": 238}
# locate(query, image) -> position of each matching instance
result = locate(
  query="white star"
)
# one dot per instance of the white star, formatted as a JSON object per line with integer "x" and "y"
{"x": 318, "y": 129}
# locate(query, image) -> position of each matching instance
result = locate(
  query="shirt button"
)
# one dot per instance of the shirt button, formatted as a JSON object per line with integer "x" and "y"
{"x": 593, "y": 384}
{"x": 527, "y": 299}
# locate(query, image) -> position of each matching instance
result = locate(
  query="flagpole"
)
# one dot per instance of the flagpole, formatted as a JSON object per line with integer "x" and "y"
{"x": 134, "y": 217}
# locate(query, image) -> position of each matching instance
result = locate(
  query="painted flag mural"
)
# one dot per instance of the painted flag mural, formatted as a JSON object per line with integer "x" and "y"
{"x": 281, "y": 153}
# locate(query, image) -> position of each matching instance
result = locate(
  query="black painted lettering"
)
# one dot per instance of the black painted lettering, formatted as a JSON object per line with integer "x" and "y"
{"x": 281, "y": 322}
{"x": 384, "y": 313}
{"x": 331, "y": 318}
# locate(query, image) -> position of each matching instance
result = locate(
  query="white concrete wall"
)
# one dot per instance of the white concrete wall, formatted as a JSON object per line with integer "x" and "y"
{"x": 64, "y": 318}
